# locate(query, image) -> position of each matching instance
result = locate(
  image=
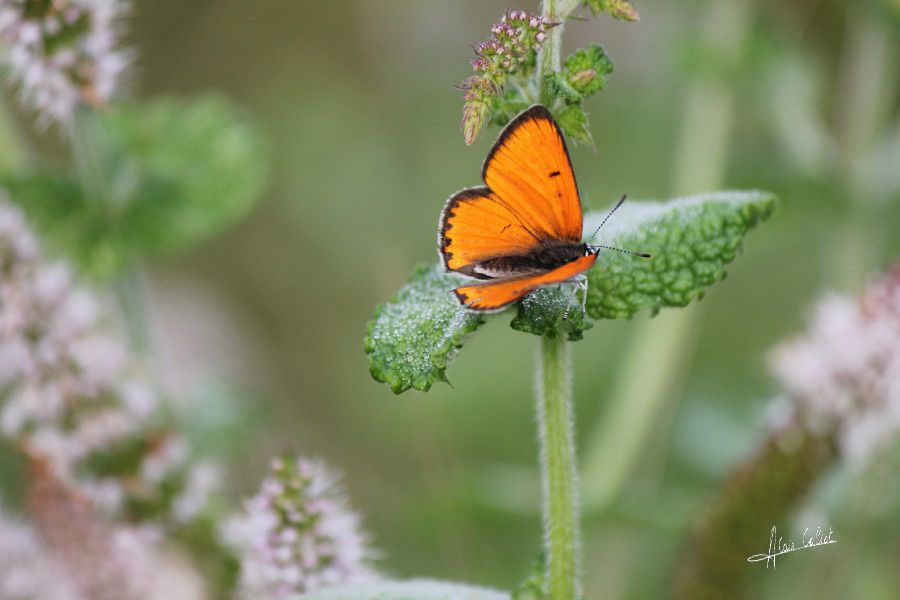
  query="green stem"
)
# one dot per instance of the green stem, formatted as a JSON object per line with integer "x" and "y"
{"x": 549, "y": 57}
{"x": 554, "y": 396}
{"x": 557, "y": 444}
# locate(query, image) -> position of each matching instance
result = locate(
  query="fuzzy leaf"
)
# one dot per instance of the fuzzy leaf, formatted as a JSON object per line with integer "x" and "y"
{"x": 574, "y": 124}
{"x": 618, "y": 9}
{"x": 416, "y": 589}
{"x": 584, "y": 74}
{"x": 691, "y": 239}
{"x": 414, "y": 336}
{"x": 543, "y": 312}
{"x": 152, "y": 178}
{"x": 507, "y": 105}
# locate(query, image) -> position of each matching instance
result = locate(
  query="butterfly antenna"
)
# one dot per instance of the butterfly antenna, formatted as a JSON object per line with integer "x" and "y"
{"x": 606, "y": 218}
{"x": 641, "y": 254}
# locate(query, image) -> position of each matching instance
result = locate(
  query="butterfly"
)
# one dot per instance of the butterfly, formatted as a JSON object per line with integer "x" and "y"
{"x": 521, "y": 230}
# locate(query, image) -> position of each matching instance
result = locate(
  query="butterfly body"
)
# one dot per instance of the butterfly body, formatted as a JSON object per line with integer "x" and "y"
{"x": 548, "y": 256}
{"x": 523, "y": 229}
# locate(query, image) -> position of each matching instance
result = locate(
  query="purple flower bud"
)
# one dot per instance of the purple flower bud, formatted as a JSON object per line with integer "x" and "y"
{"x": 583, "y": 78}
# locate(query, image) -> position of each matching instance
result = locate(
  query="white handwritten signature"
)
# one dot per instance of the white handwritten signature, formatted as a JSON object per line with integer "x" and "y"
{"x": 777, "y": 545}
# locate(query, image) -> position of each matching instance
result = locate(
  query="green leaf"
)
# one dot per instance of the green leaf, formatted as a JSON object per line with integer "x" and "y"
{"x": 150, "y": 178}
{"x": 691, "y": 239}
{"x": 574, "y": 124}
{"x": 414, "y": 336}
{"x": 593, "y": 56}
{"x": 618, "y": 9}
{"x": 544, "y": 312}
{"x": 584, "y": 74}
{"x": 507, "y": 105}
{"x": 533, "y": 587}
{"x": 417, "y": 589}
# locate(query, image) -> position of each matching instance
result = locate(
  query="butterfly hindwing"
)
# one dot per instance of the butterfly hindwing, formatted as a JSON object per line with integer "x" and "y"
{"x": 501, "y": 293}
{"x": 476, "y": 226}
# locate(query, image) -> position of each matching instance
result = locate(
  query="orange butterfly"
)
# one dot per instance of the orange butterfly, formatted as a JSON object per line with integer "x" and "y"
{"x": 523, "y": 229}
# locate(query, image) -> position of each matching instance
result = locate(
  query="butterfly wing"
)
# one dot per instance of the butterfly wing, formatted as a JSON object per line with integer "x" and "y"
{"x": 531, "y": 197}
{"x": 529, "y": 169}
{"x": 501, "y": 293}
{"x": 476, "y": 225}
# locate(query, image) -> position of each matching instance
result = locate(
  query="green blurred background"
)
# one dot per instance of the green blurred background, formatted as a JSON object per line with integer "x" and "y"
{"x": 356, "y": 99}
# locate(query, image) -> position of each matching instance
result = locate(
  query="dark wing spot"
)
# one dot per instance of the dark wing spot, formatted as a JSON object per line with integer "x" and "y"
{"x": 554, "y": 174}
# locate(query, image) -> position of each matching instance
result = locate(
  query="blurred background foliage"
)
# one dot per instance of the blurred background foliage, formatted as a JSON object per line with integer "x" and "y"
{"x": 264, "y": 323}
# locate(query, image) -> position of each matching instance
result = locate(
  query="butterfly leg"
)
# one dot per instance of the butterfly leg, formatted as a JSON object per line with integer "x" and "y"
{"x": 581, "y": 283}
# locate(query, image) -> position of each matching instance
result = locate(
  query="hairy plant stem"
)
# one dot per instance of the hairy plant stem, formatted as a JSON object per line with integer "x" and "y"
{"x": 554, "y": 397}
{"x": 549, "y": 57}
{"x": 558, "y": 474}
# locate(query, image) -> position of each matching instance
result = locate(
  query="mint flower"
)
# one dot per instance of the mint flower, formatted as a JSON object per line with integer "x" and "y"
{"x": 63, "y": 53}
{"x": 297, "y": 534}
{"x": 842, "y": 376}
{"x": 26, "y": 572}
{"x": 511, "y": 50}
{"x": 90, "y": 558}
{"x": 72, "y": 398}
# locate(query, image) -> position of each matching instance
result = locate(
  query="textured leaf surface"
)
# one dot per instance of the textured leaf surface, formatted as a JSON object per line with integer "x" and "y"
{"x": 150, "y": 178}
{"x": 691, "y": 239}
{"x": 414, "y": 336}
{"x": 550, "y": 311}
{"x": 422, "y": 589}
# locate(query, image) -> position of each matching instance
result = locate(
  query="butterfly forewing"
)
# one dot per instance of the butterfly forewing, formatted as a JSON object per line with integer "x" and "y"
{"x": 530, "y": 171}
